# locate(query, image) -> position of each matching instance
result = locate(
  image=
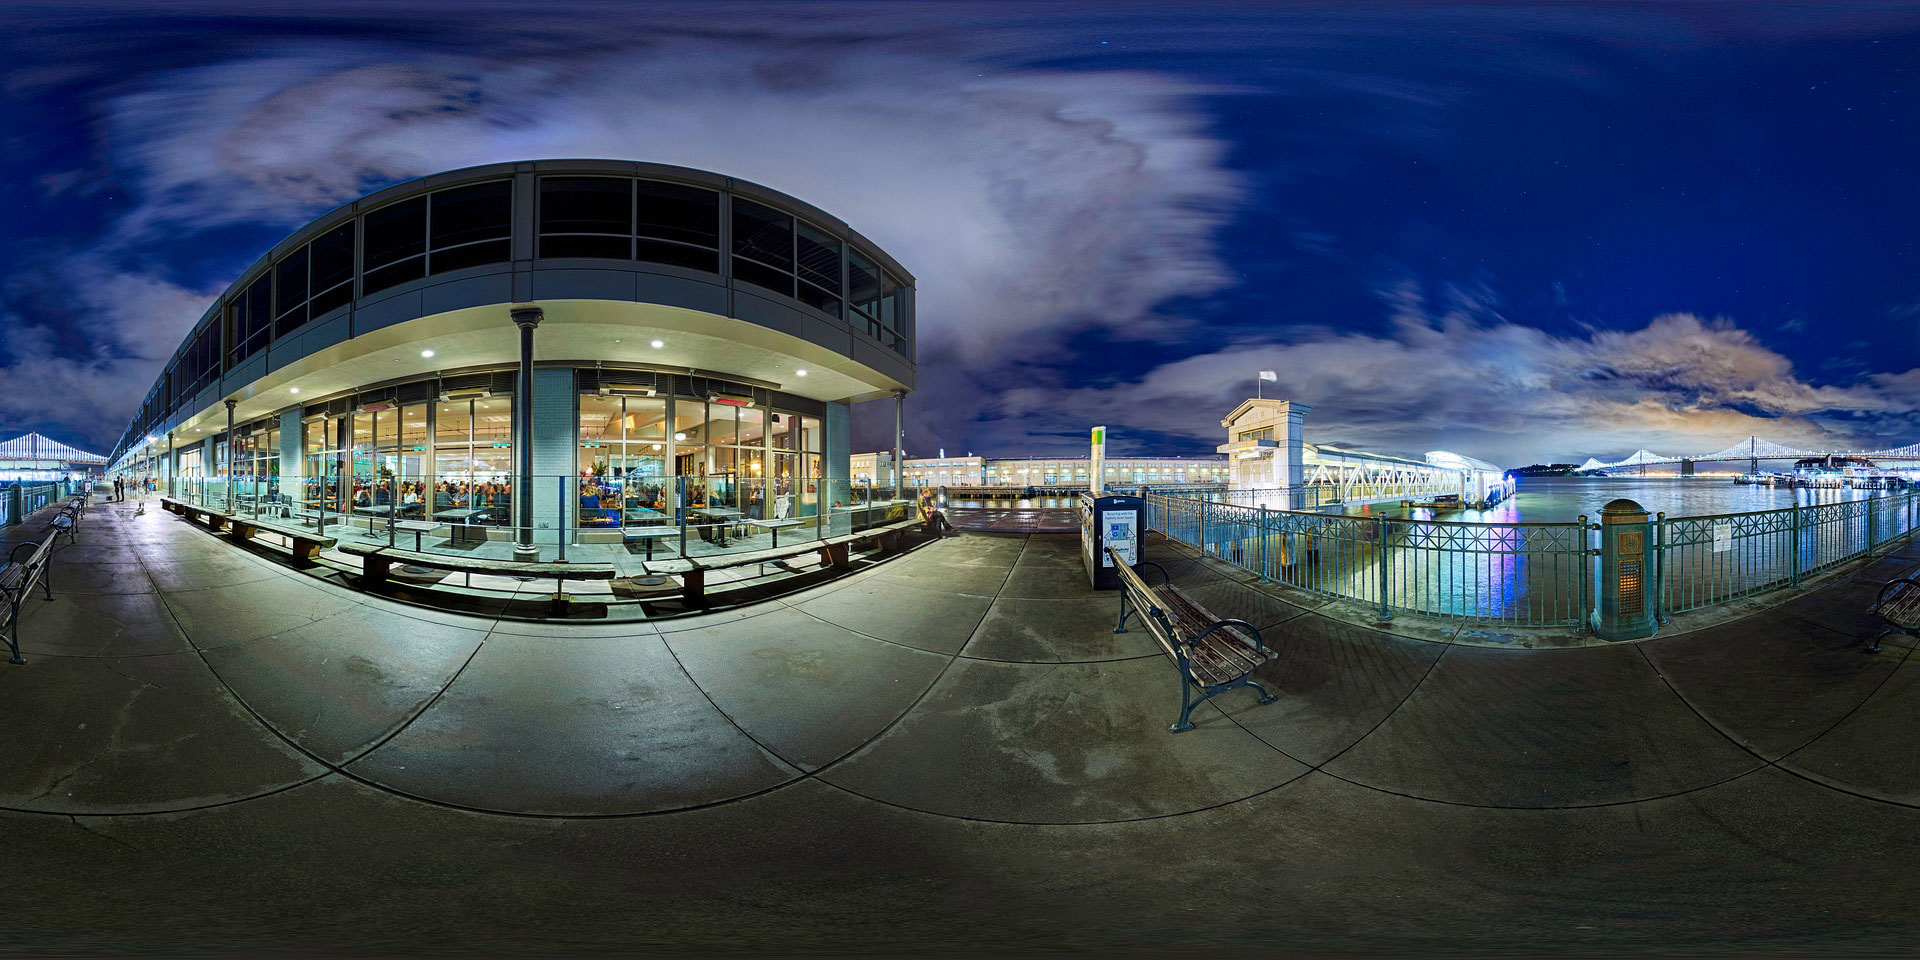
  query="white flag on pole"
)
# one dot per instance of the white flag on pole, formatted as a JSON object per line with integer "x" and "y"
{"x": 1270, "y": 375}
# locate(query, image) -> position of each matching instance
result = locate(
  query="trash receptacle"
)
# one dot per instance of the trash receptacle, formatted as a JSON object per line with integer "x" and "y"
{"x": 1110, "y": 522}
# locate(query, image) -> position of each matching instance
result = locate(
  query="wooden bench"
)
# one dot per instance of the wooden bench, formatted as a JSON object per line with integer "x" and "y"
{"x": 1898, "y": 603}
{"x": 1213, "y": 654}
{"x": 214, "y": 519}
{"x": 376, "y": 563}
{"x": 65, "y": 524}
{"x": 17, "y": 578}
{"x": 306, "y": 544}
{"x": 834, "y": 552}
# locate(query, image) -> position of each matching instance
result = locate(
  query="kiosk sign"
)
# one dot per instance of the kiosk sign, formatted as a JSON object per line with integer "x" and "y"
{"x": 1123, "y": 534}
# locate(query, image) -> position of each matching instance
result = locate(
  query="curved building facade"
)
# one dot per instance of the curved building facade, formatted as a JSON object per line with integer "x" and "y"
{"x": 695, "y": 340}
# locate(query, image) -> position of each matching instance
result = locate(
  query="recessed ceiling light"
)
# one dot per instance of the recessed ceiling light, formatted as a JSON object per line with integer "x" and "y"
{"x": 293, "y": 390}
{"x": 657, "y": 344}
{"x": 426, "y": 353}
{"x": 616, "y": 341}
{"x": 679, "y": 436}
{"x": 800, "y": 373}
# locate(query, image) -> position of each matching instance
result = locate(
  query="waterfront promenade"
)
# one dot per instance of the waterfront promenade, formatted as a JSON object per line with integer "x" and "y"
{"x": 949, "y": 751}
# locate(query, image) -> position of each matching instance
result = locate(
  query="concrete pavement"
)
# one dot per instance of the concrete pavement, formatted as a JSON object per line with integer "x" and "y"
{"x": 949, "y": 752}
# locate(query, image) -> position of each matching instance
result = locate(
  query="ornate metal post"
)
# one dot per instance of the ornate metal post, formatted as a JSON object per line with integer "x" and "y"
{"x": 232, "y": 448}
{"x": 1262, "y": 527}
{"x": 1794, "y": 550}
{"x": 1380, "y": 547}
{"x": 899, "y": 427}
{"x": 526, "y": 318}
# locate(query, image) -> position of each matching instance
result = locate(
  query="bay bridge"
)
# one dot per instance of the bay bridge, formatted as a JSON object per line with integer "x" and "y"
{"x": 1752, "y": 452}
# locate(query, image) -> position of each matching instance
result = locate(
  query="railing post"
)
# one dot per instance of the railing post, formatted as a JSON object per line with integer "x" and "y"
{"x": 1660, "y": 568}
{"x": 1873, "y": 507}
{"x": 1203, "y": 528}
{"x": 1793, "y": 559}
{"x": 1262, "y": 527}
{"x": 1380, "y": 547}
{"x": 1584, "y": 577}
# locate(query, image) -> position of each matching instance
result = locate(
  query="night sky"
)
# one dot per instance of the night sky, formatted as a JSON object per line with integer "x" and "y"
{"x": 1521, "y": 233}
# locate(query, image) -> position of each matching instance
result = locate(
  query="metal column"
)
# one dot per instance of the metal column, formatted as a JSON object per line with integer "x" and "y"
{"x": 231, "y": 447}
{"x": 899, "y": 425}
{"x": 526, "y": 318}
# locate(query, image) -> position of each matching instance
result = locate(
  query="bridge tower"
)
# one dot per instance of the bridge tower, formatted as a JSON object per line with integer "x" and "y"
{"x": 1753, "y": 456}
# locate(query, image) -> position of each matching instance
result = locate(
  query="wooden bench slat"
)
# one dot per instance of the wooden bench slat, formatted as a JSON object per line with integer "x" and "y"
{"x": 1214, "y": 655}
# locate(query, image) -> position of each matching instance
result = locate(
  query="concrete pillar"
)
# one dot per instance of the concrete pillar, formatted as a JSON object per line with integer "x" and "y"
{"x": 1289, "y": 456}
{"x": 555, "y": 425}
{"x": 526, "y": 318}
{"x": 1628, "y": 607}
{"x": 837, "y": 456}
{"x": 293, "y": 440}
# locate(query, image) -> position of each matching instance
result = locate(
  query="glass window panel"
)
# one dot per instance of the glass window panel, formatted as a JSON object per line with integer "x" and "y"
{"x": 763, "y": 276}
{"x": 819, "y": 256}
{"x": 290, "y": 281}
{"x": 689, "y": 421}
{"x": 405, "y": 270}
{"x": 670, "y": 211}
{"x": 586, "y": 205}
{"x": 693, "y": 258}
{"x": 605, "y": 248}
{"x": 394, "y": 232}
{"x": 818, "y": 299}
{"x": 483, "y": 211}
{"x": 753, "y": 427}
{"x": 722, "y": 423}
{"x": 863, "y": 284}
{"x": 784, "y": 430}
{"x": 601, "y": 434}
{"x": 471, "y": 255}
{"x": 453, "y": 422}
{"x": 493, "y": 421}
{"x": 386, "y": 430}
{"x": 646, "y": 419}
{"x": 893, "y": 304}
{"x": 810, "y": 433}
{"x": 763, "y": 246}
{"x": 333, "y": 257}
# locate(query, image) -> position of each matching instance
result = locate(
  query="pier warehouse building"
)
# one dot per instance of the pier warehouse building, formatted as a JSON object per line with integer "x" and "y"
{"x": 545, "y": 347}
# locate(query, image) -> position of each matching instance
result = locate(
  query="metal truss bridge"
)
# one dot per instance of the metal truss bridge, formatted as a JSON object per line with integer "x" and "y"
{"x": 1751, "y": 451}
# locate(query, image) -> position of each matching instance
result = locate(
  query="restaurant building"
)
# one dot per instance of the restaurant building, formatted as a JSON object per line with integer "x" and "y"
{"x": 531, "y": 344}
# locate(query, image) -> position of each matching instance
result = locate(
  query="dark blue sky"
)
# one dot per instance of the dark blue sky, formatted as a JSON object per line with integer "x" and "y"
{"x": 1518, "y": 232}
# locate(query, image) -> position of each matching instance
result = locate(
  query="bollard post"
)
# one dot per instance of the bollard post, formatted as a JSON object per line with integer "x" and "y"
{"x": 1624, "y": 612}
{"x": 1262, "y": 527}
{"x": 1380, "y": 548}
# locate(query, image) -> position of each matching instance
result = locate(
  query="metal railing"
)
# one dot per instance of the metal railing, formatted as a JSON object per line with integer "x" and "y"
{"x": 22, "y": 500}
{"x": 573, "y": 517}
{"x": 1527, "y": 573}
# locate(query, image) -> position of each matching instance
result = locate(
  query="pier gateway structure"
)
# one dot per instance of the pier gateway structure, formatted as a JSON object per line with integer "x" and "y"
{"x": 1273, "y": 466}
{"x": 529, "y": 344}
